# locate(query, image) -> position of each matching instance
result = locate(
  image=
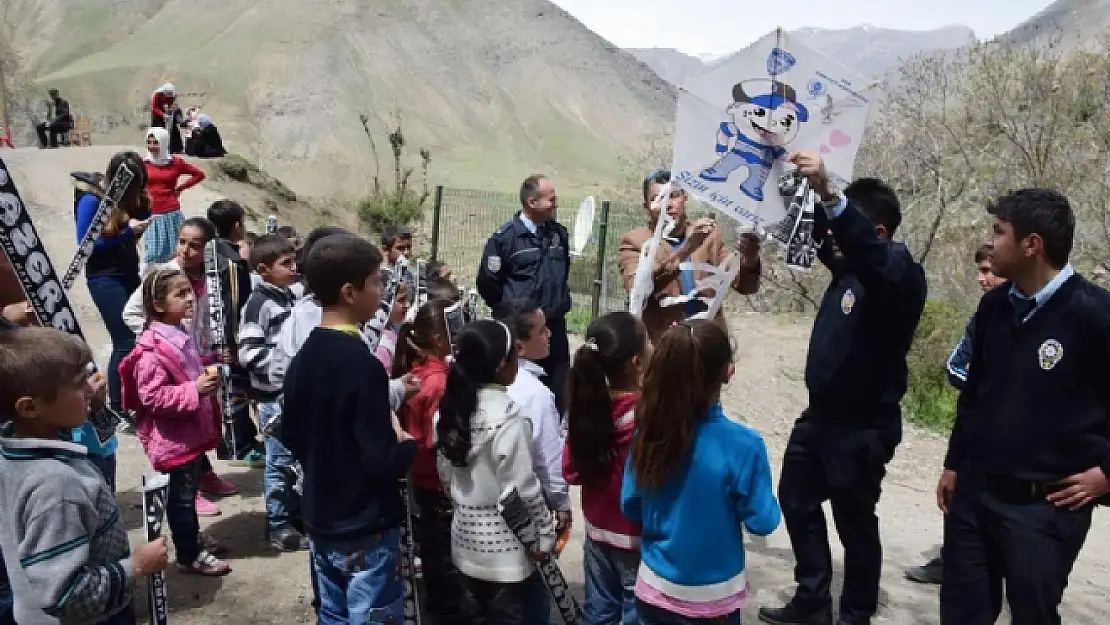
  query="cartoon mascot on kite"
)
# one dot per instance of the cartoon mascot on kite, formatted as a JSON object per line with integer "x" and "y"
{"x": 760, "y": 128}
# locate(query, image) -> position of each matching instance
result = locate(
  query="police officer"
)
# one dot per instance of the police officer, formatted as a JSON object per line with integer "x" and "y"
{"x": 1029, "y": 453}
{"x": 529, "y": 257}
{"x": 856, "y": 375}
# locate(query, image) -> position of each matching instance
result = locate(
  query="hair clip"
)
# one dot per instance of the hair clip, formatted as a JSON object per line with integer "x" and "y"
{"x": 590, "y": 344}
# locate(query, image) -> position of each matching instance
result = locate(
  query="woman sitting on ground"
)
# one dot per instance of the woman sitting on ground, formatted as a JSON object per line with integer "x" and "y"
{"x": 204, "y": 140}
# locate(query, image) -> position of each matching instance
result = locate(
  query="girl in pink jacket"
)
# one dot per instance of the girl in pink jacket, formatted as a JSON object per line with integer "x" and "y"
{"x": 172, "y": 394}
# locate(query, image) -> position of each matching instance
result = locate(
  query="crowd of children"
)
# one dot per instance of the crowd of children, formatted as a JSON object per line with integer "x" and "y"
{"x": 668, "y": 482}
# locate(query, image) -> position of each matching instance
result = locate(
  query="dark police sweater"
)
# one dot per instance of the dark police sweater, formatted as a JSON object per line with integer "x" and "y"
{"x": 337, "y": 423}
{"x": 856, "y": 366}
{"x": 1036, "y": 403}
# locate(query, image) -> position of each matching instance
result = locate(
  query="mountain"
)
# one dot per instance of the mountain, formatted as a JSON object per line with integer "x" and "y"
{"x": 495, "y": 90}
{"x": 1073, "y": 23}
{"x": 872, "y": 51}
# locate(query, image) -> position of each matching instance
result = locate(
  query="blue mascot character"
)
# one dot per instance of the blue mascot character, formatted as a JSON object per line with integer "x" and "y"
{"x": 761, "y": 125}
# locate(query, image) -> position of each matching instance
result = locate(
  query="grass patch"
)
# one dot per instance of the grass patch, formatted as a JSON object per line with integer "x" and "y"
{"x": 238, "y": 168}
{"x": 578, "y": 318}
{"x": 930, "y": 400}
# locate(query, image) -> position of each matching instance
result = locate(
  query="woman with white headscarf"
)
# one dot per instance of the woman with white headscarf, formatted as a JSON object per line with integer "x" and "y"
{"x": 165, "y": 113}
{"x": 205, "y": 141}
{"x": 164, "y": 170}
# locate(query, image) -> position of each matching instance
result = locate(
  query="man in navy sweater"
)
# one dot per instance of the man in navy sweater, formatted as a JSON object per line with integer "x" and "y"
{"x": 1029, "y": 453}
{"x": 856, "y": 375}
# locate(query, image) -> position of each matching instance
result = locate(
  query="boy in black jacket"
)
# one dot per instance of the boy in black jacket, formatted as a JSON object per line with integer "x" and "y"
{"x": 338, "y": 424}
{"x": 230, "y": 221}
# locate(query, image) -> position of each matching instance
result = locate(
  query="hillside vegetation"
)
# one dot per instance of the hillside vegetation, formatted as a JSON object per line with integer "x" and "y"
{"x": 495, "y": 90}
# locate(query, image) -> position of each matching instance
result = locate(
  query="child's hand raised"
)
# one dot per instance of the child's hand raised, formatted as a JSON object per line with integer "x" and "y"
{"x": 208, "y": 381}
{"x": 151, "y": 557}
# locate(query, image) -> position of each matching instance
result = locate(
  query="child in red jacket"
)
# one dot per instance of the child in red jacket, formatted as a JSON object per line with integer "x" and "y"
{"x": 603, "y": 387}
{"x": 422, "y": 349}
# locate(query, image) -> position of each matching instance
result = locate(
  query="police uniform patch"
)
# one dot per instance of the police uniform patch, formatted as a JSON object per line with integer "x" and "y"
{"x": 493, "y": 264}
{"x": 847, "y": 302}
{"x": 1049, "y": 354}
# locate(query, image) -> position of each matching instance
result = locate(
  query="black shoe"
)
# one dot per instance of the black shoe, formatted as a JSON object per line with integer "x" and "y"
{"x": 288, "y": 539}
{"x": 929, "y": 573}
{"x": 790, "y": 614}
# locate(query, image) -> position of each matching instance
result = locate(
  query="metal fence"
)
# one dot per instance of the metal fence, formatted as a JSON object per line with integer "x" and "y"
{"x": 463, "y": 219}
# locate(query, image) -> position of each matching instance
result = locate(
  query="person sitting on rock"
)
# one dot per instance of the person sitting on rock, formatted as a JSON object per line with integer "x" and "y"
{"x": 204, "y": 140}
{"x": 59, "y": 125}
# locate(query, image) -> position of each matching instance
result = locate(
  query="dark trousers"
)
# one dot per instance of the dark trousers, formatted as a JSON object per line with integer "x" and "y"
{"x": 844, "y": 465}
{"x": 994, "y": 534}
{"x": 54, "y": 129}
{"x": 109, "y": 294}
{"x": 447, "y": 598}
{"x": 519, "y": 603}
{"x": 651, "y": 615}
{"x": 181, "y": 509}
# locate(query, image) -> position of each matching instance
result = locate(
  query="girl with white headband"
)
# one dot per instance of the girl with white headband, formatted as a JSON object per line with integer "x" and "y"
{"x": 485, "y": 446}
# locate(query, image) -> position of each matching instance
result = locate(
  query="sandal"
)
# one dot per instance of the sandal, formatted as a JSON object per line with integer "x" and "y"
{"x": 206, "y": 564}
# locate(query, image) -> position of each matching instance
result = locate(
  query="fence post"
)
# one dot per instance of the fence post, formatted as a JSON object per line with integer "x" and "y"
{"x": 602, "y": 233}
{"x": 437, "y": 207}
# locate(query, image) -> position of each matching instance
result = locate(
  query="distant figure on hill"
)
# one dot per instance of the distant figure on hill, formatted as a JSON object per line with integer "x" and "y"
{"x": 204, "y": 140}
{"x": 60, "y": 122}
{"x": 164, "y": 113}
{"x": 164, "y": 170}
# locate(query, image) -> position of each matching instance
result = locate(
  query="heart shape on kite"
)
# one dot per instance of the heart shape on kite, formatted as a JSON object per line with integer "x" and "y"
{"x": 825, "y": 149}
{"x": 839, "y": 139}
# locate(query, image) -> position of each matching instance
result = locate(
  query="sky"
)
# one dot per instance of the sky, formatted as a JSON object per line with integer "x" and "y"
{"x": 714, "y": 27}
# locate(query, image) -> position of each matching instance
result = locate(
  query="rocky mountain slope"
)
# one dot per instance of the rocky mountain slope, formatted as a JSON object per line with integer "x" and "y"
{"x": 1071, "y": 23}
{"x": 495, "y": 90}
{"x": 870, "y": 50}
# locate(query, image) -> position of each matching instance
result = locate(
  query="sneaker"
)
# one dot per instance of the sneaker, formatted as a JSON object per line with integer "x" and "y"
{"x": 791, "y": 614}
{"x": 206, "y": 508}
{"x": 205, "y": 564}
{"x": 212, "y": 484}
{"x": 288, "y": 539}
{"x": 928, "y": 573}
{"x": 253, "y": 459}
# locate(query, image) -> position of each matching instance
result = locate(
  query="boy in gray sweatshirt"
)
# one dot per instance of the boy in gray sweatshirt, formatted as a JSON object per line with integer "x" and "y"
{"x": 65, "y": 548}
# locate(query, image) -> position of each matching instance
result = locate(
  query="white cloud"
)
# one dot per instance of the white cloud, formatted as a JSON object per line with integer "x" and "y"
{"x": 716, "y": 27}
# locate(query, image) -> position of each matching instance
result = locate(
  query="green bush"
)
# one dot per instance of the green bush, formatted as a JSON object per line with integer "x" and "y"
{"x": 377, "y": 212}
{"x": 930, "y": 400}
{"x": 237, "y": 168}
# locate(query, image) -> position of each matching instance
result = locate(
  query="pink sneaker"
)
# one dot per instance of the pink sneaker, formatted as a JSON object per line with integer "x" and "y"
{"x": 213, "y": 484}
{"x": 206, "y": 508}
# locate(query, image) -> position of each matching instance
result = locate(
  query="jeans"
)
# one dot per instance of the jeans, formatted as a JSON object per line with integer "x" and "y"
{"x": 519, "y": 603}
{"x": 107, "y": 466}
{"x": 109, "y": 294}
{"x": 359, "y": 579}
{"x": 277, "y": 478}
{"x": 651, "y": 615}
{"x": 447, "y": 597}
{"x": 181, "y": 509}
{"x": 610, "y": 584}
{"x": 7, "y": 599}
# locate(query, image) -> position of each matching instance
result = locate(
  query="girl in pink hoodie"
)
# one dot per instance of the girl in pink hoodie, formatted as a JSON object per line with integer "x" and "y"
{"x": 603, "y": 386}
{"x": 172, "y": 393}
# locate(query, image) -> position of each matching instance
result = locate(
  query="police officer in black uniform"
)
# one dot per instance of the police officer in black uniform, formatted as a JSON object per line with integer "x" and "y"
{"x": 856, "y": 375}
{"x": 1029, "y": 454}
{"x": 529, "y": 257}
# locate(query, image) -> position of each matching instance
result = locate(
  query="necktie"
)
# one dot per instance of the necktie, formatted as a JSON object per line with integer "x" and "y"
{"x": 1022, "y": 307}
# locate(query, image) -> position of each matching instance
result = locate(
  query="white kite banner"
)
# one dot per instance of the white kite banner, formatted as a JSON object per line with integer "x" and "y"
{"x": 738, "y": 120}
